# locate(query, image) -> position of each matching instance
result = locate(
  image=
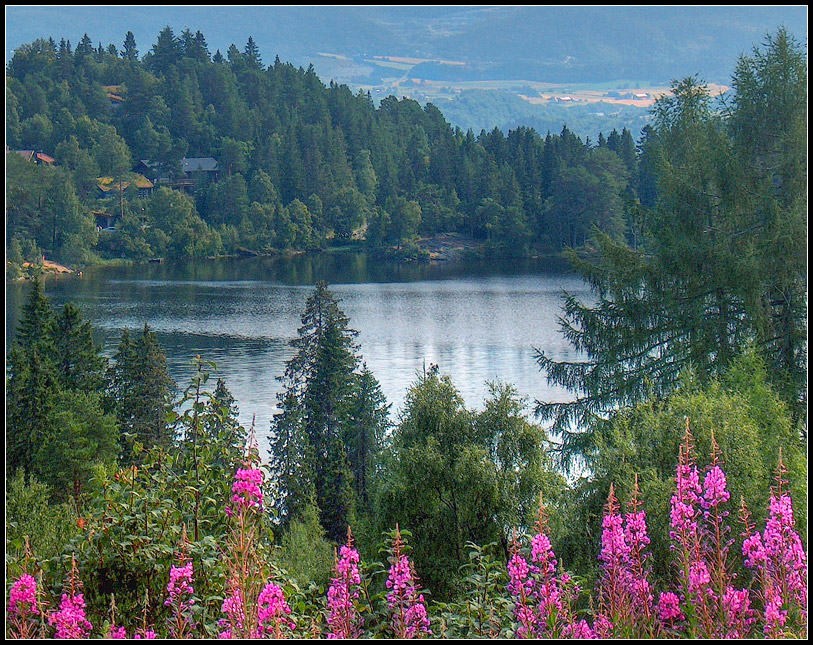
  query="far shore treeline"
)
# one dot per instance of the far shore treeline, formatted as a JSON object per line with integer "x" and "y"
{"x": 667, "y": 498}
{"x": 299, "y": 164}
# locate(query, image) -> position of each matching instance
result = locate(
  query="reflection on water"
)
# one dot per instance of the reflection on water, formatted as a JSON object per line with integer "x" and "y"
{"x": 478, "y": 321}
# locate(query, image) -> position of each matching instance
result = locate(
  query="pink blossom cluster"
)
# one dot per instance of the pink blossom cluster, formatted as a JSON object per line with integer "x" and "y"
{"x": 779, "y": 562}
{"x": 717, "y": 608}
{"x": 272, "y": 612}
{"x": 22, "y": 606}
{"x": 616, "y": 584}
{"x": 541, "y": 599}
{"x": 246, "y": 491}
{"x": 22, "y": 596}
{"x": 118, "y": 633}
{"x": 406, "y": 604}
{"x": 233, "y": 608}
{"x": 70, "y": 620}
{"x": 180, "y": 592}
{"x": 343, "y": 618}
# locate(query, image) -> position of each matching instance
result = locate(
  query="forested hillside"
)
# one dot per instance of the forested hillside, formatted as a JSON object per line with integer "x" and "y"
{"x": 299, "y": 164}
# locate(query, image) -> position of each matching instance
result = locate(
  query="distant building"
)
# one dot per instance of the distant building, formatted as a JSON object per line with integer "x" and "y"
{"x": 113, "y": 95}
{"x": 192, "y": 171}
{"x": 108, "y": 186}
{"x": 105, "y": 221}
{"x": 33, "y": 156}
{"x": 641, "y": 96}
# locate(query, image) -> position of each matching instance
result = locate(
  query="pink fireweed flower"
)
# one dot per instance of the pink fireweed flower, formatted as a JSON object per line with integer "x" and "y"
{"x": 753, "y": 551}
{"x": 147, "y": 634}
{"x": 581, "y": 630}
{"x": 683, "y": 514}
{"x": 714, "y": 488}
{"x": 70, "y": 620}
{"x": 637, "y": 538}
{"x": 22, "y": 596}
{"x": 699, "y": 576}
{"x": 246, "y": 488}
{"x": 541, "y": 599}
{"x": 616, "y": 577}
{"x": 775, "y": 616}
{"x": 180, "y": 583}
{"x": 344, "y": 620}
{"x": 233, "y": 608}
{"x": 272, "y": 612}
{"x": 669, "y": 608}
{"x": 407, "y": 606}
{"x": 118, "y": 633}
{"x": 738, "y": 615}
{"x": 542, "y": 554}
{"x": 180, "y": 598}
{"x": 778, "y": 560}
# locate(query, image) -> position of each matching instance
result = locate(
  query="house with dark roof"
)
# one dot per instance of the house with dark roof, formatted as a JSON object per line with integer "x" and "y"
{"x": 193, "y": 170}
{"x": 106, "y": 221}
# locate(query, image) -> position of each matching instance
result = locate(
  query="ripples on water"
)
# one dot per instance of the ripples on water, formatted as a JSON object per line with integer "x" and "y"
{"x": 478, "y": 321}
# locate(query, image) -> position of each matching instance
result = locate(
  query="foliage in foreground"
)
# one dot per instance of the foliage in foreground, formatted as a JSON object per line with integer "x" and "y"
{"x": 255, "y": 598}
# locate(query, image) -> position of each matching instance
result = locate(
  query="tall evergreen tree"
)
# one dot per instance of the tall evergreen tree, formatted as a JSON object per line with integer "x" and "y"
{"x": 32, "y": 380}
{"x": 252, "y": 54}
{"x": 319, "y": 383}
{"x": 698, "y": 295}
{"x": 368, "y": 421}
{"x": 130, "y": 52}
{"x": 79, "y": 362}
{"x": 290, "y": 461}
{"x": 140, "y": 392}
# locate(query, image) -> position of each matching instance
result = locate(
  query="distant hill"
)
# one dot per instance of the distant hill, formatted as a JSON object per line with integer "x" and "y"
{"x": 553, "y": 44}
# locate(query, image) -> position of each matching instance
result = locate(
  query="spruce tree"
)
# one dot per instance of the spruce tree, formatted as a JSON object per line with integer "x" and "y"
{"x": 313, "y": 424}
{"x": 723, "y": 267}
{"x": 32, "y": 380}
{"x": 368, "y": 420}
{"x": 140, "y": 392}
{"x": 130, "y": 52}
{"x": 79, "y": 361}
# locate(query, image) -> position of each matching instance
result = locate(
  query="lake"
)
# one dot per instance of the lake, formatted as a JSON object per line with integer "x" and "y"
{"x": 477, "y": 320}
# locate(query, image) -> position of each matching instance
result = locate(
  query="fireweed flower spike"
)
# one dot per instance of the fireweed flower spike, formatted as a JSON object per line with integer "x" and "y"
{"x": 343, "y": 618}
{"x": 22, "y": 607}
{"x": 694, "y": 575}
{"x": 616, "y": 580}
{"x": 635, "y": 533}
{"x": 408, "y": 617}
{"x": 779, "y": 562}
{"x": 180, "y": 593}
{"x": 541, "y": 599}
{"x": 272, "y": 612}
{"x": 70, "y": 620}
{"x": 521, "y": 587}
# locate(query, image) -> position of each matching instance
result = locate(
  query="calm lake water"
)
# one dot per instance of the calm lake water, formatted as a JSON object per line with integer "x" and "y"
{"x": 478, "y": 321}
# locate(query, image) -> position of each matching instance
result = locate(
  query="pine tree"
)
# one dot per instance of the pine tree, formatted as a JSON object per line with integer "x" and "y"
{"x": 222, "y": 426}
{"x": 252, "y": 54}
{"x": 290, "y": 461}
{"x": 724, "y": 260}
{"x": 767, "y": 120}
